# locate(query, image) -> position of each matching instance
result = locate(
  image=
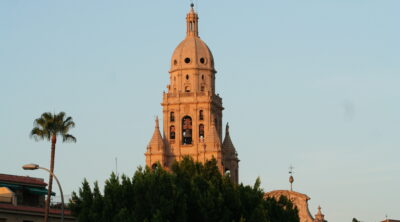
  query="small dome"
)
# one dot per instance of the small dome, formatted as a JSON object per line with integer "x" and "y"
{"x": 192, "y": 53}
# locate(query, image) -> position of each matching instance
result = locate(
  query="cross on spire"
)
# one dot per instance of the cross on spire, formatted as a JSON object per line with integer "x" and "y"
{"x": 291, "y": 170}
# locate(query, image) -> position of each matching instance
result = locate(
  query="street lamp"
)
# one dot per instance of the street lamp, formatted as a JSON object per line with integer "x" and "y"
{"x": 33, "y": 166}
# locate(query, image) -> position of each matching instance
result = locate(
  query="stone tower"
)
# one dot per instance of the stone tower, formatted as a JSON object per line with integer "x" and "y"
{"x": 192, "y": 111}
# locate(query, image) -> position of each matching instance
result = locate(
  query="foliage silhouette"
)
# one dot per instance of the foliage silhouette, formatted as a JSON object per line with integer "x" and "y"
{"x": 189, "y": 191}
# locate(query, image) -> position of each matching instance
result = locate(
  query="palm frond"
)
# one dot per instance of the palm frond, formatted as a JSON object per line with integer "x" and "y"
{"x": 60, "y": 118}
{"x": 38, "y": 134}
{"x": 47, "y": 116}
{"x": 53, "y": 124}
{"x": 68, "y": 122}
{"x": 39, "y": 122}
{"x": 69, "y": 125}
{"x": 68, "y": 138}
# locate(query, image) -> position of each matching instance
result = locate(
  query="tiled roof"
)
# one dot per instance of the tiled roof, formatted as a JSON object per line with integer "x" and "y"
{"x": 14, "y": 179}
{"x": 32, "y": 209}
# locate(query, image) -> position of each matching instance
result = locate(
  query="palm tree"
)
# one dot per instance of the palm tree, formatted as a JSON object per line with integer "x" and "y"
{"x": 48, "y": 127}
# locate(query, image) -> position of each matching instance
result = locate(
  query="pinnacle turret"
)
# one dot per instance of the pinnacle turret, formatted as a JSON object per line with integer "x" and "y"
{"x": 156, "y": 143}
{"x": 227, "y": 145}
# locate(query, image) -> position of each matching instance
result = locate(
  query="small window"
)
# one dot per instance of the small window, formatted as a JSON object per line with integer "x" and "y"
{"x": 202, "y": 77}
{"x": 201, "y": 131}
{"x": 172, "y": 132}
{"x": 175, "y": 62}
{"x": 202, "y": 88}
{"x": 202, "y": 60}
{"x": 172, "y": 117}
{"x": 154, "y": 166}
{"x": 187, "y": 60}
{"x": 201, "y": 116}
{"x": 187, "y": 76}
{"x": 187, "y": 89}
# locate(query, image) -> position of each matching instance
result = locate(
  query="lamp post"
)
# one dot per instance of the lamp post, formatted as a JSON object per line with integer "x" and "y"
{"x": 33, "y": 166}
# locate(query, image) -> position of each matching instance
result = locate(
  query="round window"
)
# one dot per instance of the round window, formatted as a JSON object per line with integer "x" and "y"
{"x": 187, "y": 60}
{"x": 202, "y": 60}
{"x": 175, "y": 62}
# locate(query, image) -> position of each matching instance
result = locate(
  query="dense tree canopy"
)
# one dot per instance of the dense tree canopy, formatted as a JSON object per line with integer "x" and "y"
{"x": 188, "y": 192}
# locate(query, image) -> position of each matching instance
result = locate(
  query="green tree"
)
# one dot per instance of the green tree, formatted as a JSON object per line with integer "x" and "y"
{"x": 189, "y": 191}
{"x": 48, "y": 126}
{"x": 355, "y": 220}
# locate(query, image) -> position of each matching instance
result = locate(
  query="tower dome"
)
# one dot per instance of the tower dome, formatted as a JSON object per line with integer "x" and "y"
{"x": 192, "y": 52}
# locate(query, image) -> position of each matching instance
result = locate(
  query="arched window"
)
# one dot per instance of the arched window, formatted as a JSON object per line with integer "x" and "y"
{"x": 202, "y": 88}
{"x": 227, "y": 172}
{"x": 201, "y": 115}
{"x": 187, "y": 89}
{"x": 154, "y": 166}
{"x": 172, "y": 132}
{"x": 172, "y": 116}
{"x": 187, "y": 130}
{"x": 201, "y": 131}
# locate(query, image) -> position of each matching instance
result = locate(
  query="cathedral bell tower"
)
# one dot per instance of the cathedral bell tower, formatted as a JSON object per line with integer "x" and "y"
{"x": 192, "y": 112}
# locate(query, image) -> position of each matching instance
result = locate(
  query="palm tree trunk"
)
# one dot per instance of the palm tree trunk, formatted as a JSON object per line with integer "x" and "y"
{"x": 53, "y": 152}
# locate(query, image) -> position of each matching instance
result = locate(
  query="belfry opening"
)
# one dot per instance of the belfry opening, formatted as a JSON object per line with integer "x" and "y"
{"x": 187, "y": 130}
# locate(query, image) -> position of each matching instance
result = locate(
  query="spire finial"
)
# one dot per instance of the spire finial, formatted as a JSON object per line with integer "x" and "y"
{"x": 227, "y": 128}
{"x": 157, "y": 124}
{"x": 291, "y": 179}
{"x": 192, "y": 20}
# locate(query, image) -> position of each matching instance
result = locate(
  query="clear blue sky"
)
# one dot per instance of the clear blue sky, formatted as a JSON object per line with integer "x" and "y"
{"x": 310, "y": 83}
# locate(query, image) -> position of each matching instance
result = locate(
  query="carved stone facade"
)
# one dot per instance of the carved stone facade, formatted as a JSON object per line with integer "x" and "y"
{"x": 192, "y": 111}
{"x": 300, "y": 201}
